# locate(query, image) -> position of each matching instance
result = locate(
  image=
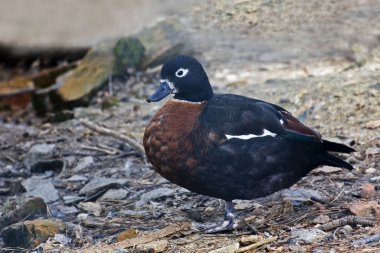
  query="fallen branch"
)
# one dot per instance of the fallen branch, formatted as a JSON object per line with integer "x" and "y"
{"x": 106, "y": 131}
{"x": 349, "y": 220}
{"x": 367, "y": 240}
{"x": 256, "y": 245}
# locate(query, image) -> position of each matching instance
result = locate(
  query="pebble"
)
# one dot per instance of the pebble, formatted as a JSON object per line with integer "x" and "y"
{"x": 83, "y": 163}
{"x": 68, "y": 209}
{"x": 91, "y": 207}
{"x": 155, "y": 194}
{"x": 71, "y": 199}
{"x": 40, "y": 187}
{"x": 321, "y": 219}
{"x": 308, "y": 235}
{"x": 370, "y": 170}
{"x": 246, "y": 204}
{"x": 99, "y": 184}
{"x": 375, "y": 179}
{"x": 327, "y": 170}
{"x": 62, "y": 239}
{"x": 368, "y": 191}
{"x": 152, "y": 247}
{"x": 114, "y": 194}
{"x": 82, "y": 216}
{"x": 77, "y": 178}
{"x": 365, "y": 208}
{"x": 300, "y": 194}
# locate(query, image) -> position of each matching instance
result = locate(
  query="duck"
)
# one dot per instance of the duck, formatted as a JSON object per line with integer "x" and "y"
{"x": 228, "y": 146}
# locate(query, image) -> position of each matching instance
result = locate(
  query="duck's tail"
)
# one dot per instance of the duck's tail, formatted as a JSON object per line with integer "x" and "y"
{"x": 330, "y": 160}
{"x": 336, "y": 147}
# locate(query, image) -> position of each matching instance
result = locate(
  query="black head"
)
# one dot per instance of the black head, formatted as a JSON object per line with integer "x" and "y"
{"x": 184, "y": 77}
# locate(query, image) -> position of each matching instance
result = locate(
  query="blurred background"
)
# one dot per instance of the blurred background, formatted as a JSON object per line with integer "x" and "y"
{"x": 71, "y": 23}
{"x": 264, "y": 30}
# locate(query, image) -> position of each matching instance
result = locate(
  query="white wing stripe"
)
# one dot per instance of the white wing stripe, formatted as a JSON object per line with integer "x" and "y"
{"x": 250, "y": 136}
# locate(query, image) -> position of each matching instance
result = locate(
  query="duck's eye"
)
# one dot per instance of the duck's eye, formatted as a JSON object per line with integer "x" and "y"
{"x": 181, "y": 72}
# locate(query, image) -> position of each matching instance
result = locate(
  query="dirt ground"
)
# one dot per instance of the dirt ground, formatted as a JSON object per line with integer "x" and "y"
{"x": 318, "y": 59}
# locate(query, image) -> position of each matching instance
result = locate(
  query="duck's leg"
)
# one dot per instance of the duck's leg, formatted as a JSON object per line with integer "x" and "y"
{"x": 229, "y": 222}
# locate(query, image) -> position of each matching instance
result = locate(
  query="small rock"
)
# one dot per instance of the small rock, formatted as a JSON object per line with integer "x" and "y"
{"x": 77, "y": 178}
{"x": 245, "y": 204}
{"x": 83, "y": 163}
{"x": 375, "y": 179}
{"x": 127, "y": 234}
{"x": 321, "y": 219}
{"x": 154, "y": 194}
{"x": 99, "y": 184}
{"x": 209, "y": 209}
{"x": 300, "y": 194}
{"x": 119, "y": 250}
{"x": 327, "y": 170}
{"x": 82, "y": 216}
{"x": 68, "y": 209}
{"x": 40, "y": 187}
{"x": 309, "y": 235}
{"x": 62, "y": 239}
{"x": 39, "y": 152}
{"x": 29, "y": 234}
{"x": 368, "y": 191}
{"x": 370, "y": 171}
{"x": 227, "y": 249}
{"x": 114, "y": 194}
{"x": 152, "y": 247}
{"x": 373, "y": 124}
{"x": 297, "y": 248}
{"x": 344, "y": 231}
{"x": 91, "y": 207}
{"x": 365, "y": 209}
{"x": 71, "y": 199}
{"x": 30, "y": 208}
{"x": 93, "y": 223}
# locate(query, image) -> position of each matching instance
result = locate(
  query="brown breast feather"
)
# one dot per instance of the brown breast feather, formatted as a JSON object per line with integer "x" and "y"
{"x": 165, "y": 139}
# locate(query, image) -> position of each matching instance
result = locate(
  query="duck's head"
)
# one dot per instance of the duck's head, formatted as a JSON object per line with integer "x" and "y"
{"x": 184, "y": 77}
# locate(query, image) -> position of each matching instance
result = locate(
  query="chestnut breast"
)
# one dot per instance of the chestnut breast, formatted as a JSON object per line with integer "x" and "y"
{"x": 166, "y": 139}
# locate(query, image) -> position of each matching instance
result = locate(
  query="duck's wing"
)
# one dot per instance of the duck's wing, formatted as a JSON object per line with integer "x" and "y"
{"x": 245, "y": 118}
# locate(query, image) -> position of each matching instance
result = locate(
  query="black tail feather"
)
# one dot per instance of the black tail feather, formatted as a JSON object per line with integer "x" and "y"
{"x": 330, "y": 160}
{"x": 336, "y": 147}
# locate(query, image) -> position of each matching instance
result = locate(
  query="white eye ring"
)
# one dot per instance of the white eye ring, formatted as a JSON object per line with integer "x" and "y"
{"x": 181, "y": 72}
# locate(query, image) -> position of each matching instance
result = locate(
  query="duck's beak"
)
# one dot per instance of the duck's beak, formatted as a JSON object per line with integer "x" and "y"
{"x": 164, "y": 90}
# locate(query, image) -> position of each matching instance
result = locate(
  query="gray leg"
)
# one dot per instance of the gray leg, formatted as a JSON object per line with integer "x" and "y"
{"x": 229, "y": 222}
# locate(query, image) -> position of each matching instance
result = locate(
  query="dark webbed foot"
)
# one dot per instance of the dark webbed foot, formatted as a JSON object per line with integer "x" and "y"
{"x": 229, "y": 222}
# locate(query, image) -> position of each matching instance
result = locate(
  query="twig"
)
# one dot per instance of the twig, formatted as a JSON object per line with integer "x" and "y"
{"x": 256, "y": 245}
{"x": 114, "y": 134}
{"x": 337, "y": 196}
{"x": 367, "y": 240}
{"x": 107, "y": 150}
{"x": 349, "y": 220}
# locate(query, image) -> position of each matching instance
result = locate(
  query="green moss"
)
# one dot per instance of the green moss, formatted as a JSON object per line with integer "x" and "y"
{"x": 129, "y": 53}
